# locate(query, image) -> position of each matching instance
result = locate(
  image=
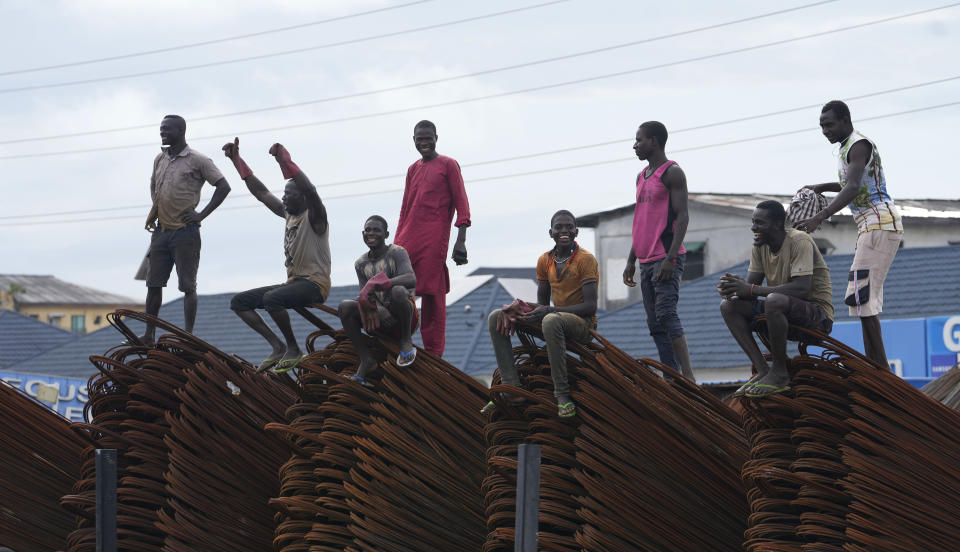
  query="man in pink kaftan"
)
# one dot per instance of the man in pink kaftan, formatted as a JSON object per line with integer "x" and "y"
{"x": 433, "y": 191}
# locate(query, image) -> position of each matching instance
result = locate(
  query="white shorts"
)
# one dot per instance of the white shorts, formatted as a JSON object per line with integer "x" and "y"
{"x": 875, "y": 252}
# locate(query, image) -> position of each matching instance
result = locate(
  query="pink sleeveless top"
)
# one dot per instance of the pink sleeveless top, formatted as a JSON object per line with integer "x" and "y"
{"x": 653, "y": 220}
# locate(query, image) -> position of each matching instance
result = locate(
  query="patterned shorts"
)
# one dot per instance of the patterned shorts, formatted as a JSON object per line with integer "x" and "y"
{"x": 875, "y": 252}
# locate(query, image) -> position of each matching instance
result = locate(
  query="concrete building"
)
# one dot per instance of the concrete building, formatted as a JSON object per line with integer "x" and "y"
{"x": 719, "y": 236}
{"x": 71, "y": 307}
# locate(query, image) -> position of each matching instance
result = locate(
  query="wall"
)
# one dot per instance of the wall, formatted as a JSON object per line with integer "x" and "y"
{"x": 90, "y": 313}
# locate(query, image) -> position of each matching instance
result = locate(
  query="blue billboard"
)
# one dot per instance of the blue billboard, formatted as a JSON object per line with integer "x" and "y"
{"x": 65, "y": 396}
{"x": 916, "y": 348}
{"x": 943, "y": 343}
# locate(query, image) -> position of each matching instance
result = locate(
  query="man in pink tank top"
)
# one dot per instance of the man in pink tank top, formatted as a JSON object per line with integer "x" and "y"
{"x": 659, "y": 223}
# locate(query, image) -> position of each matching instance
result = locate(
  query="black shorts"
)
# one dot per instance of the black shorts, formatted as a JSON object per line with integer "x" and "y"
{"x": 802, "y": 313}
{"x": 180, "y": 248}
{"x": 298, "y": 292}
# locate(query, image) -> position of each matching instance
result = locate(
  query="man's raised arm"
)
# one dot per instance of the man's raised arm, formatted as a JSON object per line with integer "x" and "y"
{"x": 290, "y": 170}
{"x": 232, "y": 151}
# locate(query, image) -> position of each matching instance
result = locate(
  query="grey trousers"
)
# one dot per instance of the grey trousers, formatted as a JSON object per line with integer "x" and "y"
{"x": 557, "y": 328}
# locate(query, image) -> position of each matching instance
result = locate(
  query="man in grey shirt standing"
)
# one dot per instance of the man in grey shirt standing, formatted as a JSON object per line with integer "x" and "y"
{"x": 178, "y": 177}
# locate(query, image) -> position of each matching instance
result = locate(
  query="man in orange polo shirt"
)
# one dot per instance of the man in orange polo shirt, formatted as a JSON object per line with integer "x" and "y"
{"x": 568, "y": 274}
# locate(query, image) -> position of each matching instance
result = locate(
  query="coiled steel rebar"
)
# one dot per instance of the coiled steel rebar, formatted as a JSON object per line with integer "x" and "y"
{"x": 852, "y": 459}
{"x": 39, "y": 463}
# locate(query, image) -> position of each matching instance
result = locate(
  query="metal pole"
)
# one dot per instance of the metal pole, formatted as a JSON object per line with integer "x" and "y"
{"x": 528, "y": 498}
{"x": 106, "y": 500}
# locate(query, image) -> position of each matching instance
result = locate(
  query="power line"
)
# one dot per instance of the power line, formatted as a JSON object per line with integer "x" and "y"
{"x": 281, "y": 53}
{"x": 489, "y": 96}
{"x": 526, "y": 173}
{"x": 548, "y": 152}
{"x": 432, "y": 81}
{"x": 209, "y": 42}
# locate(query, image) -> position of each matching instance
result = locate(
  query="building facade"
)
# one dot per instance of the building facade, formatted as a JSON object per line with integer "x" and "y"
{"x": 71, "y": 307}
{"x": 719, "y": 236}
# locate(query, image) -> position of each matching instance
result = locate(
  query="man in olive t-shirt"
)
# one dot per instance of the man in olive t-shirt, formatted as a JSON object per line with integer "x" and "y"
{"x": 798, "y": 292}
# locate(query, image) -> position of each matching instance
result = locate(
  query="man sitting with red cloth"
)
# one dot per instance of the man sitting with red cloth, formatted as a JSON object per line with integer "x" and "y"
{"x": 385, "y": 302}
{"x": 434, "y": 190}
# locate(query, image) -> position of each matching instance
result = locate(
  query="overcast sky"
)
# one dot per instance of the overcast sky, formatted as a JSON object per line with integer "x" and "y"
{"x": 358, "y": 139}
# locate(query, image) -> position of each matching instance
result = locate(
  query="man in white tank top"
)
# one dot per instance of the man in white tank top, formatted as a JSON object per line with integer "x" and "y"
{"x": 307, "y": 250}
{"x": 863, "y": 187}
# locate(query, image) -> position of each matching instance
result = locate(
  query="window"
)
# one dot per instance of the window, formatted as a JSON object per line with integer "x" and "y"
{"x": 78, "y": 323}
{"x": 35, "y": 316}
{"x": 694, "y": 263}
{"x": 825, "y": 246}
{"x": 54, "y": 319}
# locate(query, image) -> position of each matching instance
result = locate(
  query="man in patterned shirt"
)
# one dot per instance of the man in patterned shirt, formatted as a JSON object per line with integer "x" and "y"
{"x": 863, "y": 186}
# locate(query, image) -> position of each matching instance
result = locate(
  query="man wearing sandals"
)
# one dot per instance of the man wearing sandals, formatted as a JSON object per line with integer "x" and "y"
{"x": 568, "y": 274}
{"x": 797, "y": 292}
{"x": 862, "y": 186}
{"x": 385, "y": 302}
{"x": 307, "y": 250}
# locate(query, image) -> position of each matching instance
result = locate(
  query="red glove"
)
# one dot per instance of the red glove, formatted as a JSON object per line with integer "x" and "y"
{"x": 287, "y": 166}
{"x": 509, "y": 314}
{"x": 232, "y": 150}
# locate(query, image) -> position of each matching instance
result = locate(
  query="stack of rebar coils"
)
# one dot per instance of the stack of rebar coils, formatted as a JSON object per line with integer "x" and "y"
{"x": 397, "y": 467}
{"x": 39, "y": 463}
{"x": 946, "y": 388}
{"x": 647, "y": 464}
{"x": 851, "y": 459}
{"x": 196, "y": 468}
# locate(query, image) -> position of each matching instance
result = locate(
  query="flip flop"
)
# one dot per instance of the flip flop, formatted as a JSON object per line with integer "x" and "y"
{"x": 763, "y": 390}
{"x": 745, "y": 387}
{"x": 361, "y": 380}
{"x": 405, "y": 359}
{"x": 267, "y": 364}
{"x": 511, "y": 400}
{"x": 289, "y": 364}
{"x": 566, "y": 410}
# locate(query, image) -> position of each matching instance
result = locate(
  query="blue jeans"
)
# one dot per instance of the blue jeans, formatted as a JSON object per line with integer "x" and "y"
{"x": 660, "y": 302}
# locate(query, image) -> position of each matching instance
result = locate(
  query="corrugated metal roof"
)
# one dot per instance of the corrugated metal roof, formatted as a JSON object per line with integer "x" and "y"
{"x": 49, "y": 290}
{"x": 922, "y": 282}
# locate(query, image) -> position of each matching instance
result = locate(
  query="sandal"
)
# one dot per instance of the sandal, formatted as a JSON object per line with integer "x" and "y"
{"x": 745, "y": 387}
{"x": 763, "y": 390}
{"x": 267, "y": 364}
{"x": 361, "y": 380}
{"x": 405, "y": 359}
{"x": 566, "y": 409}
{"x": 289, "y": 364}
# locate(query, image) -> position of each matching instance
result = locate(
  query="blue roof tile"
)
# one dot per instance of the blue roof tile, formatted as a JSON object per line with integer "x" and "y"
{"x": 22, "y": 337}
{"x": 922, "y": 282}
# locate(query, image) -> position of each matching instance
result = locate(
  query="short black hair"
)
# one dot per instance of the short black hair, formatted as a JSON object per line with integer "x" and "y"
{"x": 379, "y": 219}
{"x": 655, "y": 129}
{"x": 179, "y": 119}
{"x": 425, "y": 124}
{"x": 560, "y": 213}
{"x": 840, "y": 109}
{"x": 776, "y": 210}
